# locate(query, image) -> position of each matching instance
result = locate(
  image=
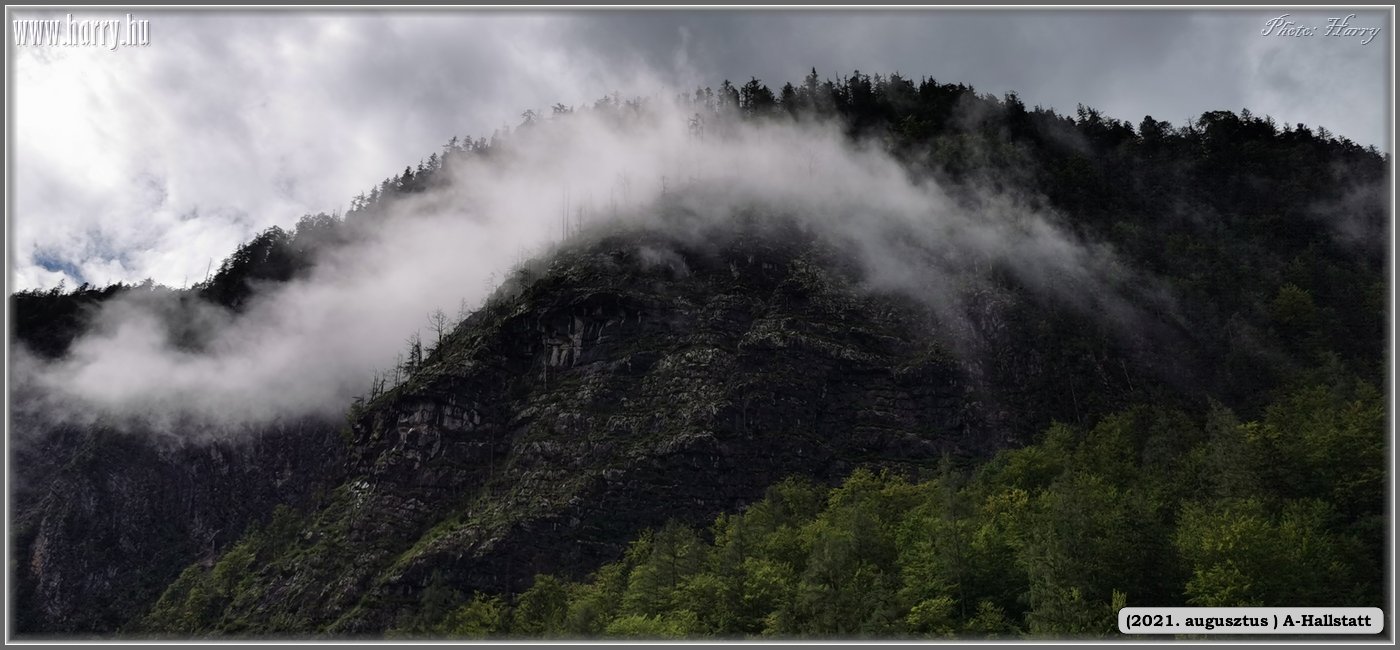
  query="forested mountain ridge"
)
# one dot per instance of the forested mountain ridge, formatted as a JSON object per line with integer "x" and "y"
{"x": 636, "y": 377}
{"x": 1148, "y": 507}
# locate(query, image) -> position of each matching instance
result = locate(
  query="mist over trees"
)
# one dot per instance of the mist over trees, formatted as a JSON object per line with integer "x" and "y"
{"x": 1227, "y": 210}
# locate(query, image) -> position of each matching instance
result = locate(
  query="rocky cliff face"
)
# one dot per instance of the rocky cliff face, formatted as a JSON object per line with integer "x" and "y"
{"x": 633, "y": 395}
{"x": 635, "y": 380}
{"x": 104, "y": 519}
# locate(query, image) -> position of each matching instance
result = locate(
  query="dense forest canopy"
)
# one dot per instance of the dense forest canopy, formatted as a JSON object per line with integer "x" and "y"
{"x": 1148, "y": 507}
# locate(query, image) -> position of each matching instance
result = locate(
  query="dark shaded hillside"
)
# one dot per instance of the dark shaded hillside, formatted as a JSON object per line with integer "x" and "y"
{"x": 104, "y": 519}
{"x": 47, "y": 322}
{"x": 637, "y": 376}
{"x": 634, "y": 380}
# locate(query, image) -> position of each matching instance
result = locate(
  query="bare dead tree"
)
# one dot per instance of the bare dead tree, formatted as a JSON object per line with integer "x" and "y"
{"x": 439, "y": 324}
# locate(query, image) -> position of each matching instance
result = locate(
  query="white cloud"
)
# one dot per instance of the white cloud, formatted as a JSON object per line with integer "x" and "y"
{"x": 155, "y": 161}
{"x": 250, "y": 119}
{"x": 307, "y": 346}
{"x": 149, "y": 161}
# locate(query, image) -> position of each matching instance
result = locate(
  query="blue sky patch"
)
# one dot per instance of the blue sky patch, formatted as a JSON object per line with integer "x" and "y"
{"x": 51, "y": 262}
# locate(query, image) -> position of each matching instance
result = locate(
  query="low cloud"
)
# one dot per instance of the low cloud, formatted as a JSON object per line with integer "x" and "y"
{"x": 306, "y": 347}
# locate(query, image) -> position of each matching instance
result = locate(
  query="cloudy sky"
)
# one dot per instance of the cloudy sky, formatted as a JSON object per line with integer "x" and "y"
{"x": 157, "y": 161}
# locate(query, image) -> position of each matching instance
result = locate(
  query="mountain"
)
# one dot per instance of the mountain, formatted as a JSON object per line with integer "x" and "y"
{"x": 660, "y": 373}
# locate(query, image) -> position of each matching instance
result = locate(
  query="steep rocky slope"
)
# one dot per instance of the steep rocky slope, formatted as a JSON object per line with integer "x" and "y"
{"x": 638, "y": 378}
